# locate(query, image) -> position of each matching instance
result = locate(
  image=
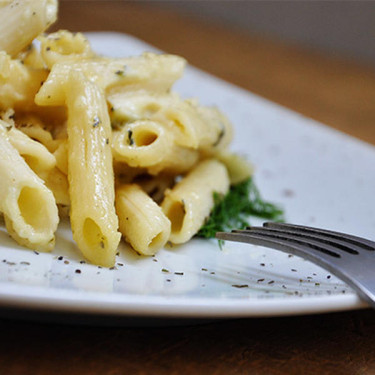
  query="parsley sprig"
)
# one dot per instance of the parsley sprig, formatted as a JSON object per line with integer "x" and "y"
{"x": 232, "y": 211}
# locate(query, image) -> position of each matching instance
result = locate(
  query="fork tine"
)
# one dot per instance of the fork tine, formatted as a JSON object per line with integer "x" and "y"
{"x": 287, "y": 239}
{"x": 323, "y": 239}
{"x": 326, "y": 259}
{"x": 358, "y": 241}
{"x": 312, "y": 244}
{"x": 357, "y": 274}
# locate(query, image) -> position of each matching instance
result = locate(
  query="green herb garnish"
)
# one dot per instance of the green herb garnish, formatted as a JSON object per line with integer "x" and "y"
{"x": 232, "y": 211}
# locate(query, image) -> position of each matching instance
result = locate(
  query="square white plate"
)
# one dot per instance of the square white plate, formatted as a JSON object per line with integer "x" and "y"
{"x": 319, "y": 176}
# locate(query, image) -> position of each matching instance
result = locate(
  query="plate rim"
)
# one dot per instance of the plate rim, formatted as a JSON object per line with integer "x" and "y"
{"x": 171, "y": 306}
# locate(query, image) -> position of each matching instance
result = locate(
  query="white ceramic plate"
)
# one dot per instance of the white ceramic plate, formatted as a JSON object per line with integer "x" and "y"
{"x": 321, "y": 177}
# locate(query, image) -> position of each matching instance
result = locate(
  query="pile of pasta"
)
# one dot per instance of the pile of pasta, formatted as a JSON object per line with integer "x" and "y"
{"x": 102, "y": 141}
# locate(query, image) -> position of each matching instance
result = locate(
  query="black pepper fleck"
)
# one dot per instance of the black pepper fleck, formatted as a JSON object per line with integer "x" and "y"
{"x": 96, "y": 121}
{"x": 130, "y": 137}
{"x": 240, "y": 286}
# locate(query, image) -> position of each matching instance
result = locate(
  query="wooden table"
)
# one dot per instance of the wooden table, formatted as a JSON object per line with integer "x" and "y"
{"x": 334, "y": 91}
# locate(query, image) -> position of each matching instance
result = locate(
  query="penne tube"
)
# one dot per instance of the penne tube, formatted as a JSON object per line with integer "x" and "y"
{"x": 63, "y": 46}
{"x": 148, "y": 71}
{"x": 218, "y": 131}
{"x": 23, "y": 20}
{"x": 179, "y": 160}
{"x": 141, "y": 143}
{"x": 37, "y": 156}
{"x": 33, "y": 127}
{"x": 29, "y": 208}
{"x": 190, "y": 202}
{"x": 18, "y": 84}
{"x": 147, "y": 144}
{"x": 90, "y": 172}
{"x": 167, "y": 109}
{"x": 239, "y": 169}
{"x": 142, "y": 222}
{"x": 193, "y": 126}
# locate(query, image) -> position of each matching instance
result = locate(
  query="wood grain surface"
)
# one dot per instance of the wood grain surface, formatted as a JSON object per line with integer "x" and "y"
{"x": 336, "y": 92}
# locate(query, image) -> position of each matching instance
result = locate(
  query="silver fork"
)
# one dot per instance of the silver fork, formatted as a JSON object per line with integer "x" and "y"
{"x": 350, "y": 258}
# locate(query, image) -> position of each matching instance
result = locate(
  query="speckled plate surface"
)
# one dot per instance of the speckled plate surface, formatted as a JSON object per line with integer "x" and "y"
{"x": 321, "y": 178}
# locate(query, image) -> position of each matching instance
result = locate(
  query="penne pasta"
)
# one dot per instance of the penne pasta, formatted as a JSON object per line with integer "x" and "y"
{"x": 37, "y": 156}
{"x": 166, "y": 109}
{"x": 34, "y": 128}
{"x": 31, "y": 225}
{"x": 90, "y": 172}
{"x": 149, "y": 145}
{"x": 102, "y": 141}
{"x": 239, "y": 169}
{"x": 189, "y": 203}
{"x": 192, "y": 126}
{"x": 18, "y": 83}
{"x": 141, "y": 143}
{"x": 219, "y": 131}
{"x": 64, "y": 46}
{"x": 148, "y": 71}
{"x": 142, "y": 222}
{"x": 23, "y": 20}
